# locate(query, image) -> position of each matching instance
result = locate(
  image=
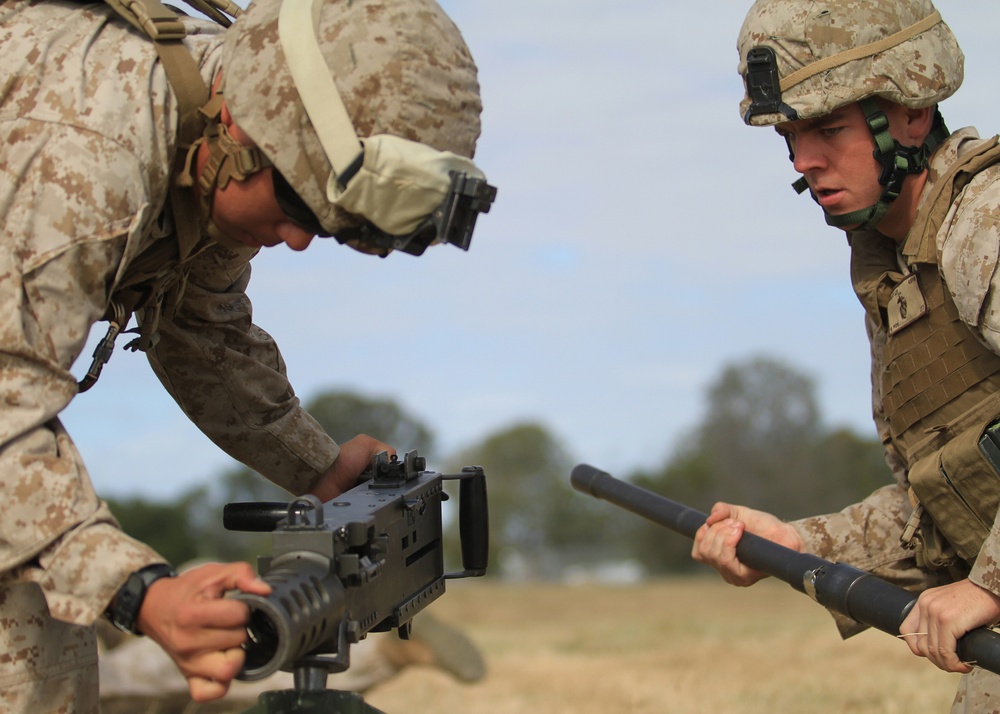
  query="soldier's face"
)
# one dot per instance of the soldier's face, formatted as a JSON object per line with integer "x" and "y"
{"x": 247, "y": 212}
{"x": 834, "y": 153}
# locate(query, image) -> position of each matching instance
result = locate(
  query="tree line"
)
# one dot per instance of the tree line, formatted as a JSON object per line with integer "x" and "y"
{"x": 762, "y": 442}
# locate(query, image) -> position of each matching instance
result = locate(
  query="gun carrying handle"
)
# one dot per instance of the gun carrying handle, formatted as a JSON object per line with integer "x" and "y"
{"x": 473, "y": 522}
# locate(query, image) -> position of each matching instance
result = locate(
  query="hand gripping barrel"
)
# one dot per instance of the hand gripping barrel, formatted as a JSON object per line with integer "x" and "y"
{"x": 836, "y": 586}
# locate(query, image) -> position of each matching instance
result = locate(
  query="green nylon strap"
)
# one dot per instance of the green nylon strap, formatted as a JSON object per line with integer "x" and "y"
{"x": 869, "y": 217}
{"x": 897, "y": 163}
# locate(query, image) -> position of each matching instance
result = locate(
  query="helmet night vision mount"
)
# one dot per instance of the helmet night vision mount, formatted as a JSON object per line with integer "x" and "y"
{"x": 410, "y": 194}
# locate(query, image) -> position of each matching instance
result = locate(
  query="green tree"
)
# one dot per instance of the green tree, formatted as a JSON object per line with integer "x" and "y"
{"x": 848, "y": 467}
{"x": 344, "y": 415}
{"x": 537, "y": 522}
{"x": 165, "y": 527}
{"x": 757, "y": 437}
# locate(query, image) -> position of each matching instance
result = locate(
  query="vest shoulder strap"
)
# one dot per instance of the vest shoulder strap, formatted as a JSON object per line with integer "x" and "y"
{"x": 920, "y": 246}
{"x": 163, "y": 26}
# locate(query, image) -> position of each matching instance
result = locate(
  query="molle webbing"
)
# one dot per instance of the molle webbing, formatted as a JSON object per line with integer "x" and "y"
{"x": 932, "y": 362}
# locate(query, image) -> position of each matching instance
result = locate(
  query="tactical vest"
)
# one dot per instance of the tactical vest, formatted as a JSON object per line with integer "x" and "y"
{"x": 940, "y": 384}
{"x": 158, "y": 269}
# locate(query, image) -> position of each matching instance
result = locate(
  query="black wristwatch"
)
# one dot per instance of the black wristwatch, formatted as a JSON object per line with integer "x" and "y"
{"x": 124, "y": 609}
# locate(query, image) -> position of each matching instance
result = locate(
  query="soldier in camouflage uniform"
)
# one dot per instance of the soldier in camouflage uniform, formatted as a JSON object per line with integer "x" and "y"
{"x": 853, "y": 86}
{"x": 110, "y": 204}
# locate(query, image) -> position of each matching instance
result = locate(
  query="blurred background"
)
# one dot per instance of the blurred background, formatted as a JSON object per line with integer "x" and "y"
{"x": 648, "y": 295}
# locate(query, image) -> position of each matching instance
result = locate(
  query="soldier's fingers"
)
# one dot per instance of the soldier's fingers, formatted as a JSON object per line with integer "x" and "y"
{"x": 911, "y": 640}
{"x": 945, "y": 651}
{"x": 720, "y": 511}
{"x": 709, "y": 543}
{"x": 203, "y": 689}
{"x": 220, "y": 613}
{"x": 210, "y": 673}
{"x": 215, "y": 581}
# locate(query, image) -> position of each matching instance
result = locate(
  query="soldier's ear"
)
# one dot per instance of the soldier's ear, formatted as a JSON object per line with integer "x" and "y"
{"x": 919, "y": 123}
{"x": 225, "y": 117}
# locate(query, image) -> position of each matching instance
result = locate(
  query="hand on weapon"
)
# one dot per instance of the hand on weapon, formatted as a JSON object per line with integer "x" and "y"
{"x": 942, "y": 615}
{"x": 355, "y": 456}
{"x": 366, "y": 561}
{"x": 839, "y": 587}
{"x": 715, "y": 542}
{"x": 202, "y": 631}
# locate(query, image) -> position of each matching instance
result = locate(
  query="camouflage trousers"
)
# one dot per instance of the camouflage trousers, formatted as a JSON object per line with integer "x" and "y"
{"x": 978, "y": 693}
{"x": 46, "y": 666}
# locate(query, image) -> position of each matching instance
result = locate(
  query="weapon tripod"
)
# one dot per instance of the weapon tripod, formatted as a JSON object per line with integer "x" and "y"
{"x": 310, "y": 695}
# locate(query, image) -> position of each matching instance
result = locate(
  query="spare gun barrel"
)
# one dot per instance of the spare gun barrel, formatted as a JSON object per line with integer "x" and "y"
{"x": 837, "y": 586}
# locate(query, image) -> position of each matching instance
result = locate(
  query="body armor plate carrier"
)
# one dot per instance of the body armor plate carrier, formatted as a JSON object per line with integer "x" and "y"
{"x": 940, "y": 384}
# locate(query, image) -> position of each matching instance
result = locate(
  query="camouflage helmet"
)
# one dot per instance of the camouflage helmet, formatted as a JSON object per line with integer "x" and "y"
{"x": 401, "y": 68}
{"x": 805, "y": 58}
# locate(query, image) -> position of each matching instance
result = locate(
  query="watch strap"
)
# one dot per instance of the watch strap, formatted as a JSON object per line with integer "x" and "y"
{"x": 124, "y": 609}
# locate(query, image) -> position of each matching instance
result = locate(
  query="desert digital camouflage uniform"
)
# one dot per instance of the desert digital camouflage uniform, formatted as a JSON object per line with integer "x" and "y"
{"x": 867, "y": 535}
{"x": 930, "y": 303}
{"x": 88, "y": 142}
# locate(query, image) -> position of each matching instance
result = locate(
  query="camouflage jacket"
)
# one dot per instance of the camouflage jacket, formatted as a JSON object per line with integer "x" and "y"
{"x": 88, "y": 123}
{"x": 867, "y": 534}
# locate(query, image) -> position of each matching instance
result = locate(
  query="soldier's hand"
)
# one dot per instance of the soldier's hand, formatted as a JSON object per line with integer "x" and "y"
{"x": 715, "y": 542}
{"x": 942, "y": 615}
{"x": 200, "y": 629}
{"x": 355, "y": 456}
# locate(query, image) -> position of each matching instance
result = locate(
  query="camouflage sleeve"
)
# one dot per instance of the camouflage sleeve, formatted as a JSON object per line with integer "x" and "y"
{"x": 866, "y": 535}
{"x": 61, "y": 245}
{"x": 969, "y": 248}
{"x": 229, "y": 377}
{"x": 986, "y": 570}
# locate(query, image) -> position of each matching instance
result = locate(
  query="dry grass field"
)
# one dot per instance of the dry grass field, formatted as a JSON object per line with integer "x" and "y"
{"x": 674, "y": 646}
{"x": 678, "y": 646}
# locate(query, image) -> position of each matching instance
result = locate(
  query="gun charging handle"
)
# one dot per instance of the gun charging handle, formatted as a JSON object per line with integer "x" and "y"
{"x": 473, "y": 522}
{"x": 254, "y": 516}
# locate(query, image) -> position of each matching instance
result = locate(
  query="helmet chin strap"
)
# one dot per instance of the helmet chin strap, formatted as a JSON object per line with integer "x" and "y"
{"x": 897, "y": 162}
{"x": 228, "y": 160}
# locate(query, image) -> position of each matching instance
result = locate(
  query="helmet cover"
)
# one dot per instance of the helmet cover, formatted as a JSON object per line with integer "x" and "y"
{"x": 401, "y": 66}
{"x": 914, "y": 70}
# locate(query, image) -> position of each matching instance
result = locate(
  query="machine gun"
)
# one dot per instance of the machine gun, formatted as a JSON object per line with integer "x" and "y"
{"x": 366, "y": 561}
{"x": 838, "y": 587}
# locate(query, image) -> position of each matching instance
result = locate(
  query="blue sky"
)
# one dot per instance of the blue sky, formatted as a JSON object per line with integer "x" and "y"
{"x": 642, "y": 239}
